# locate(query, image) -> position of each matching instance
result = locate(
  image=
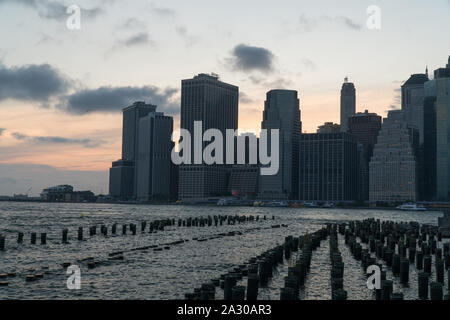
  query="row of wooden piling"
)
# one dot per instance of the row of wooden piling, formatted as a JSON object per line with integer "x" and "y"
{"x": 154, "y": 226}
{"x": 383, "y": 238}
{"x": 337, "y": 266}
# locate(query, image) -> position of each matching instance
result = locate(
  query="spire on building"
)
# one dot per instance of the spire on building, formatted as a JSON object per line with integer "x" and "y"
{"x": 426, "y": 72}
{"x": 346, "y": 79}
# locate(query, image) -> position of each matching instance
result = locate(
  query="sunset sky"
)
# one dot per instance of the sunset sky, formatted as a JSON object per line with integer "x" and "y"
{"x": 61, "y": 90}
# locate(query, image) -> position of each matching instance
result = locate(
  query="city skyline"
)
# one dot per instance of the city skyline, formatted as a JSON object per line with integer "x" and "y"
{"x": 38, "y": 135}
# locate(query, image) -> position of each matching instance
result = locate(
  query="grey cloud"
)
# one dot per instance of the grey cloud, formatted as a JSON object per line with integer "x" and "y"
{"x": 2, "y": 130}
{"x": 349, "y": 23}
{"x": 114, "y": 99}
{"x": 276, "y": 83}
{"x": 309, "y": 64}
{"x": 32, "y": 83}
{"x": 162, "y": 11}
{"x": 189, "y": 39}
{"x": 244, "y": 98}
{"x": 249, "y": 58}
{"x": 308, "y": 24}
{"x": 137, "y": 39}
{"x": 88, "y": 143}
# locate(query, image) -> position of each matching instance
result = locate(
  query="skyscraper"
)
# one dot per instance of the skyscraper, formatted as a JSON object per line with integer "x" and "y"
{"x": 393, "y": 168}
{"x": 412, "y": 101}
{"x": 348, "y": 103}
{"x": 328, "y": 167}
{"x": 146, "y": 146}
{"x": 365, "y": 127}
{"x": 205, "y": 98}
{"x": 437, "y": 135}
{"x": 282, "y": 111}
{"x": 153, "y": 163}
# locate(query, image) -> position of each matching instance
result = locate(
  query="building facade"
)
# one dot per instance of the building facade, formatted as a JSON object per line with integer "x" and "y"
{"x": 393, "y": 167}
{"x": 365, "y": 127}
{"x": 328, "y": 167}
{"x": 153, "y": 163}
{"x": 215, "y": 103}
{"x": 145, "y": 171}
{"x": 282, "y": 112}
{"x": 437, "y": 136}
{"x": 329, "y": 127}
{"x": 348, "y": 103}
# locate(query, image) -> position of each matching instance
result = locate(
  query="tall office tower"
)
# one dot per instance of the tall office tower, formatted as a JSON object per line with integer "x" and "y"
{"x": 348, "y": 103}
{"x": 329, "y": 127}
{"x": 145, "y": 168}
{"x": 153, "y": 163}
{"x": 392, "y": 169}
{"x": 282, "y": 111}
{"x": 205, "y": 98}
{"x": 328, "y": 167}
{"x": 365, "y": 127}
{"x": 412, "y": 101}
{"x": 437, "y": 136}
{"x": 122, "y": 178}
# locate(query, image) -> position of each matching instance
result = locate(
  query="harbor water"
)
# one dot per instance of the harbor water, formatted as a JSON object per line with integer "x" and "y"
{"x": 174, "y": 269}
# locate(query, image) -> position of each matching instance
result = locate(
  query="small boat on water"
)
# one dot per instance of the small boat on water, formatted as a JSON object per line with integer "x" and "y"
{"x": 411, "y": 207}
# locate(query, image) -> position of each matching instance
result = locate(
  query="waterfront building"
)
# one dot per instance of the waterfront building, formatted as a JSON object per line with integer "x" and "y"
{"x": 328, "y": 167}
{"x": 393, "y": 166}
{"x": 145, "y": 171}
{"x": 215, "y": 103}
{"x": 282, "y": 112}
{"x": 348, "y": 103}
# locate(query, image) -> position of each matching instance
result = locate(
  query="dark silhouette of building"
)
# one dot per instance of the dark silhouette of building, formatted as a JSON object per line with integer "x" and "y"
{"x": 329, "y": 127}
{"x": 328, "y": 167}
{"x": 282, "y": 112}
{"x": 145, "y": 170}
{"x": 348, "y": 103}
{"x": 215, "y": 103}
{"x": 436, "y": 157}
{"x": 365, "y": 127}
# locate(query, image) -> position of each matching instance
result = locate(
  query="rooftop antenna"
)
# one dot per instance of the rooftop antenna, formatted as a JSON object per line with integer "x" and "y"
{"x": 426, "y": 71}
{"x": 346, "y": 79}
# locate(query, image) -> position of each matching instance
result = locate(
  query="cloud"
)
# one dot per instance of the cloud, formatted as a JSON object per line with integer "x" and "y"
{"x": 349, "y": 23}
{"x": 161, "y": 11}
{"x": 249, "y": 58}
{"x": 55, "y": 10}
{"x": 308, "y": 24}
{"x": 244, "y": 98}
{"x": 2, "y": 130}
{"x": 114, "y": 99}
{"x": 309, "y": 64}
{"x": 188, "y": 38}
{"x": 88, "y": 143}
{"x": 32, "y": 83}
{"x": 140, "y": 38}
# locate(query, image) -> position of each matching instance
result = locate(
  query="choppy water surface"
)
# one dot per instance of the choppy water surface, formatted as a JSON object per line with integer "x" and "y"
{"x": 169, "y": 274}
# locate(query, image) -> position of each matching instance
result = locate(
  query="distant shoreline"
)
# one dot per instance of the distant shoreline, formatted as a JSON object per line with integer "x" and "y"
{"x": 210, "y": 204}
